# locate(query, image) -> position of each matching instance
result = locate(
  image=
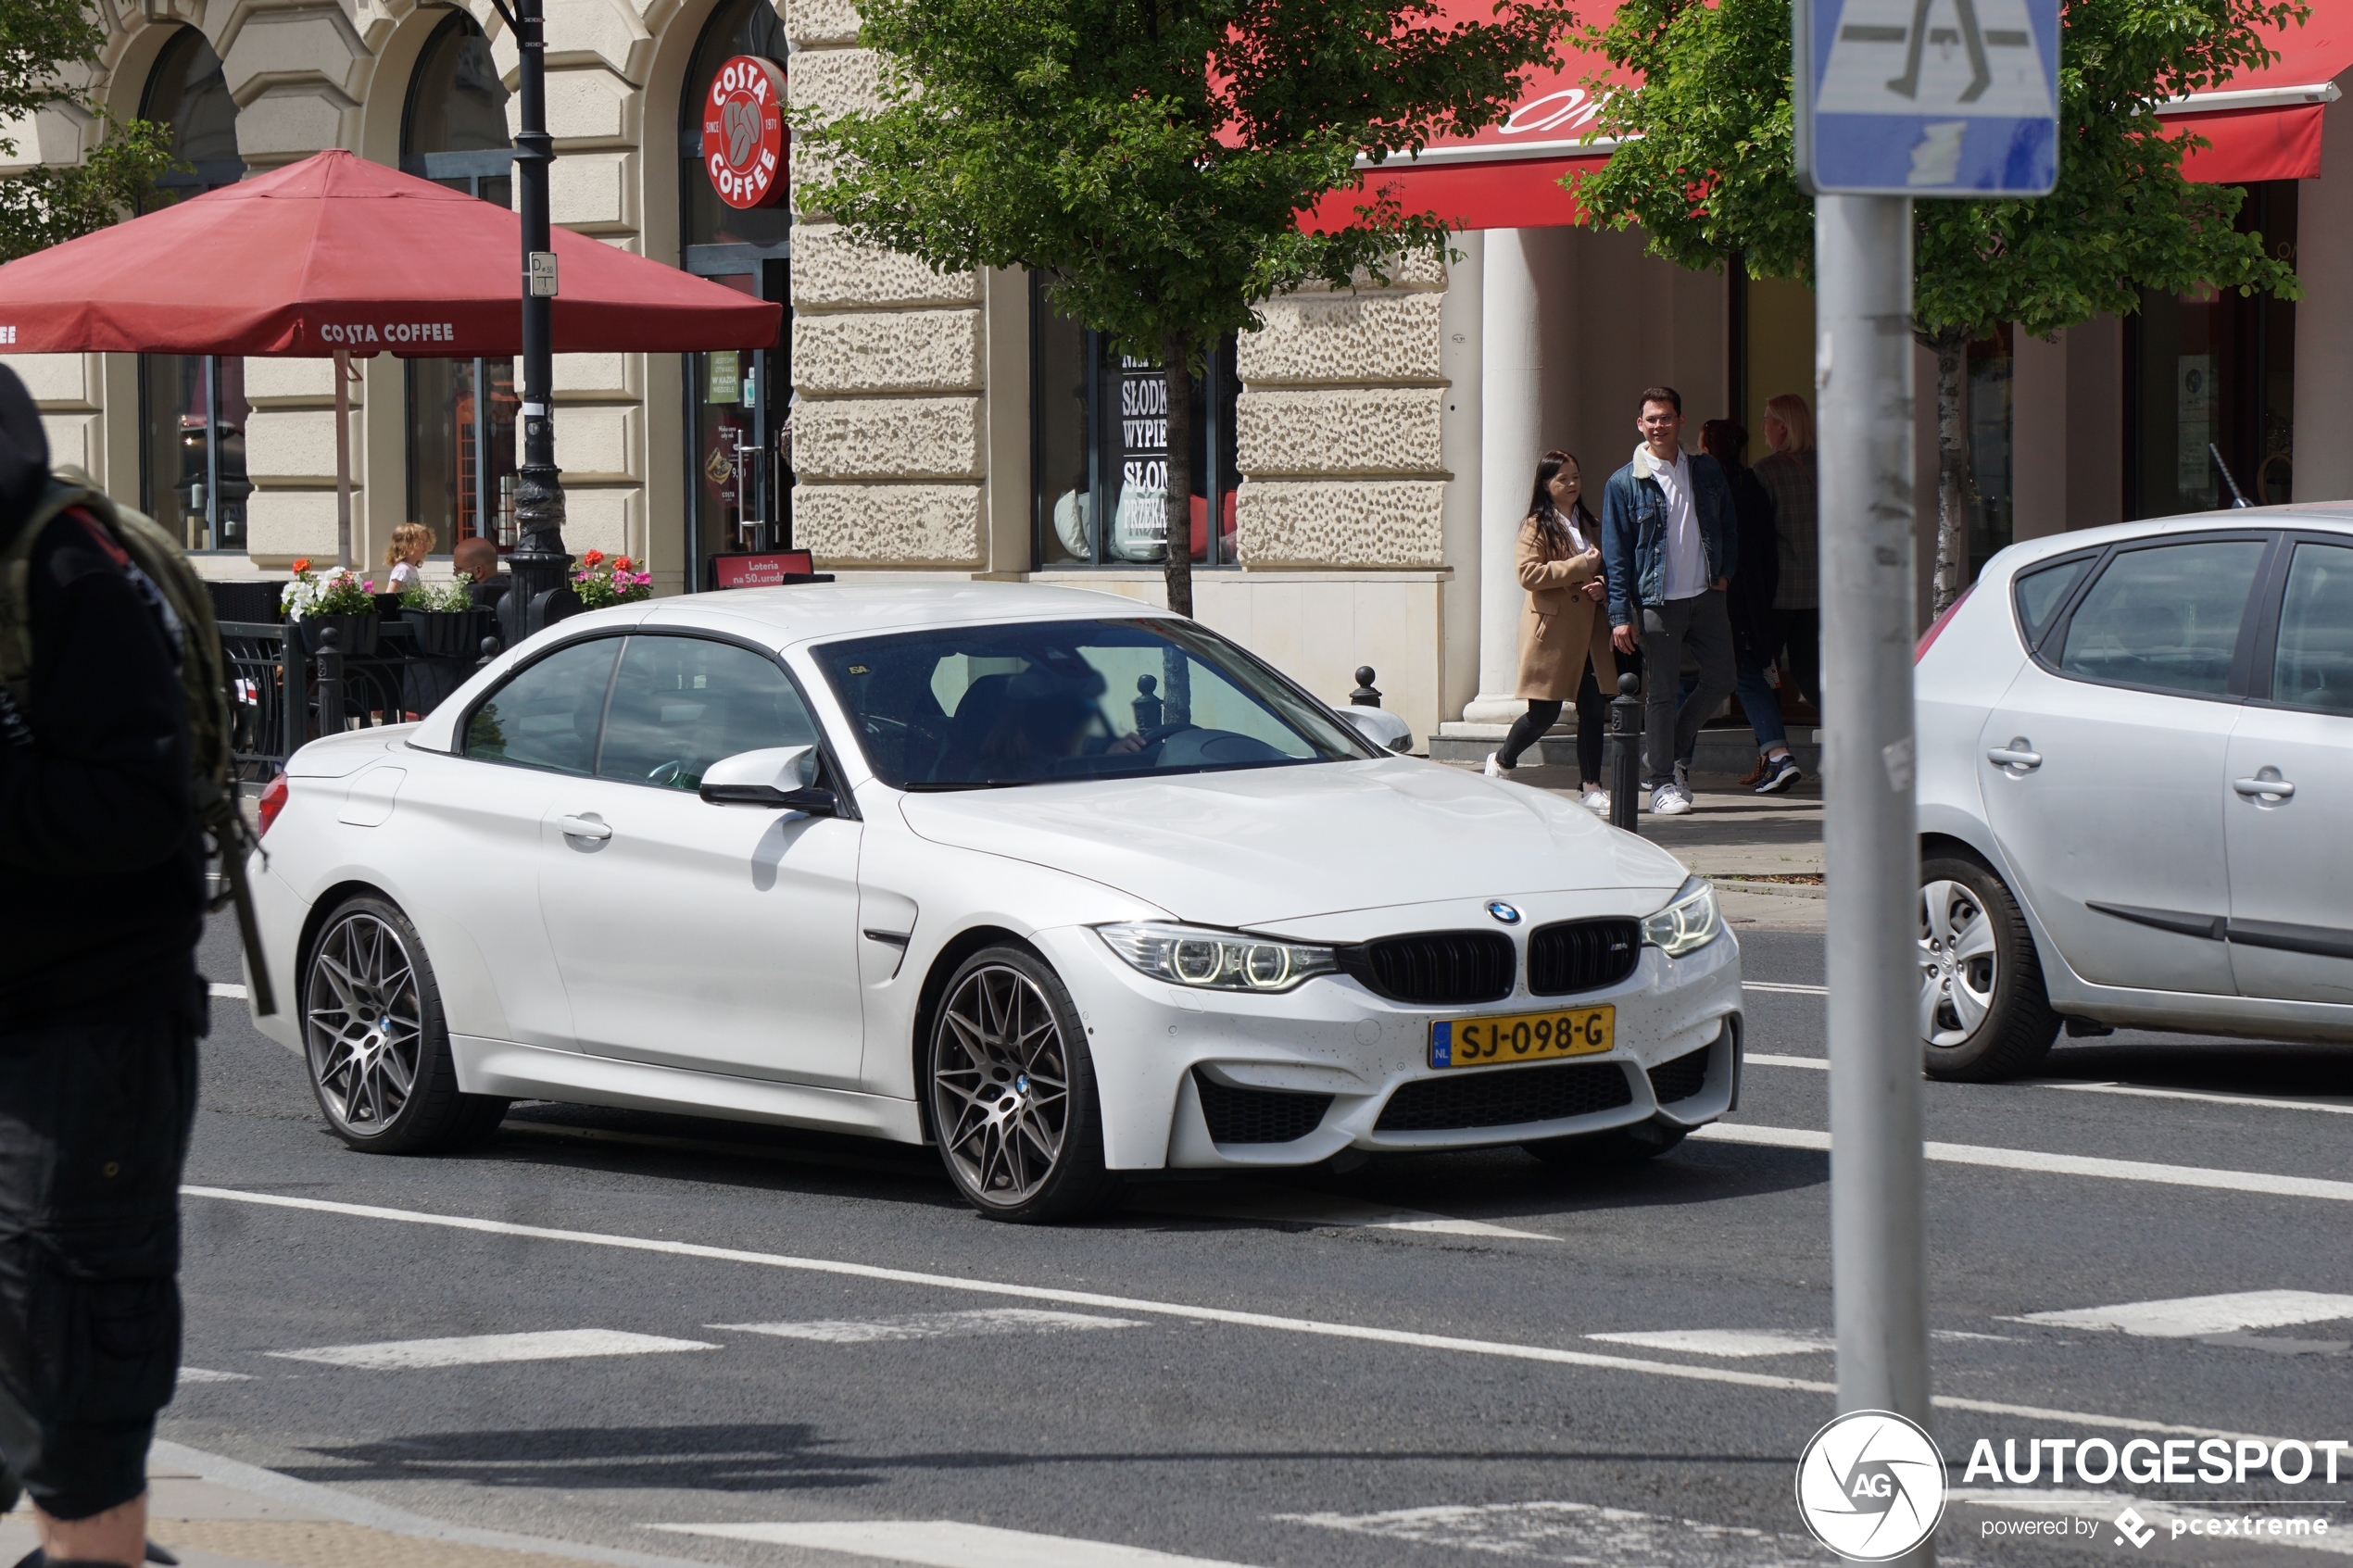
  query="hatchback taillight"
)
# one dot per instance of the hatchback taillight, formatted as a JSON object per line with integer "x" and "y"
{"x": 274, "y": 801}
{"x": 1936, "y": 627}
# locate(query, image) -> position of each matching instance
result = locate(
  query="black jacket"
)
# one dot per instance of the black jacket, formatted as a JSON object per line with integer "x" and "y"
{"x": 1759, "y": 577}
{"x": 101, "y": 862}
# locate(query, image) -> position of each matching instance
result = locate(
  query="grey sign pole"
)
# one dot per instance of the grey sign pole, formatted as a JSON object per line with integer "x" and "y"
{"x": 1863, "y": 383}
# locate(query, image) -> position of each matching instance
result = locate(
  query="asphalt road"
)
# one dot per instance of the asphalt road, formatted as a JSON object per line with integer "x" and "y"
{"x": 1393, "y": 1366}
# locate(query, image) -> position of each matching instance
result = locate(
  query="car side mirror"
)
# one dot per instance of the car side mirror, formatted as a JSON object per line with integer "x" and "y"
{"x": 780, "y": 778}
{"x": 1379, "y": 726}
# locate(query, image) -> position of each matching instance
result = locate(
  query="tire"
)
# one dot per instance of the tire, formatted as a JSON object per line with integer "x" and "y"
{"x": 1011, "y": 1090}
{"x": 1605, "y": 1151}
{"x": 375, "y": 1041}
{"x": 1983, "y": 1013}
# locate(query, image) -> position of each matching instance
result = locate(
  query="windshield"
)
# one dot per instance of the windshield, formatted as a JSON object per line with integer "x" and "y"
{"x": 981, "y": 707}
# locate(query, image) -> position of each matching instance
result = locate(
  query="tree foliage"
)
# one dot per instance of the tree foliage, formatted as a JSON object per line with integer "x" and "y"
{"x": 1711, "y": 176}
{"x": 1150, "y": 158}
{"x": 41, "y": 206}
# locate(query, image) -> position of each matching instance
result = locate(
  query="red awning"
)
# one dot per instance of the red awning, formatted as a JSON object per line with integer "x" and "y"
{"x": 338, "y": 253}
{"x": 2263, "y": 125}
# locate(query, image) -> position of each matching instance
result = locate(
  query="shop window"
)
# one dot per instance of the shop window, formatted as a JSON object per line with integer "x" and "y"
{"x": 192, "y": 407}
{"x": 461, "y": 413}
{"x": 2210, "y": 380}
{"x": 739, "y": 412}
{"x": 1099, "y": 464}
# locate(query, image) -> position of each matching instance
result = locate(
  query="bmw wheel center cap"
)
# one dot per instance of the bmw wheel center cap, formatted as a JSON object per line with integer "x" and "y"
{"x": 1503, "y": 911}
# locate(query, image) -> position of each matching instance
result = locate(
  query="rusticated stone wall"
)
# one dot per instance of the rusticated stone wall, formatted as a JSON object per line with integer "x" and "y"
{"x": 1338, "y": 426}
{"x": 889, "y": 356}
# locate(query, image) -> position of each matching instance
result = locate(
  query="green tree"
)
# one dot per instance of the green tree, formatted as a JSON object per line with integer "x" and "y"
{"x": 1150, "y": 158}
{"x": 39, "y": 38}
{"x": 1711, "y": 178}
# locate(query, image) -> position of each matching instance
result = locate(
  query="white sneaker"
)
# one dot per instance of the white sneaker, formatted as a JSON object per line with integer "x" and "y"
{"x": 1595, "y": 801}
{"x": 1495, "y": 769}
{"x": 1669, "y": 801}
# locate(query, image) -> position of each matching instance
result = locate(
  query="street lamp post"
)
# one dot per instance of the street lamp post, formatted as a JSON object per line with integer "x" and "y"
{"x": 541, "y": 592}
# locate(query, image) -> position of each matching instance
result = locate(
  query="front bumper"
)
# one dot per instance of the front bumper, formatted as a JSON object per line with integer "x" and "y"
{"x": 1155, "y": 1046}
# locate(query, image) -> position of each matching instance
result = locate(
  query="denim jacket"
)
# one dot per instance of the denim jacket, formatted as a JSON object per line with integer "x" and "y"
{"x": 1634, "y": 533}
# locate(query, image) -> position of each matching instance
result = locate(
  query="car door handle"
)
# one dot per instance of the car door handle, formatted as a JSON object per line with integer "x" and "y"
{"x": 2265, "y": 789}
{"x": 2015, "y": 755}
{"x": 584, "y": 827}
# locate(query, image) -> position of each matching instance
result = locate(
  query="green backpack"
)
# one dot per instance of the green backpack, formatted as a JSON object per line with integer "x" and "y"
{"x": 203, "y": 677}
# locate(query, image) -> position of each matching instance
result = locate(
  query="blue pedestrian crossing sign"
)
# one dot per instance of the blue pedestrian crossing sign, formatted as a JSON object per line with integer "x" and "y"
{"x": 1927, "y": 98}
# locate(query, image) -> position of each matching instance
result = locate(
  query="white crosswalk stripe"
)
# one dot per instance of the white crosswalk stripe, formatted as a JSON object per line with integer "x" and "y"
{"x": 1574, "y": 1532}
{"x": 2186, "y": 1317}
{"x": 945, "y": 1543}
{"x": 1728, "y": 1342}
{"x": 482, "y": 1349}
{"x": 1784, "y": 989}
{"x": 206, "y": 1374}
{"x": 931, "y": 1325}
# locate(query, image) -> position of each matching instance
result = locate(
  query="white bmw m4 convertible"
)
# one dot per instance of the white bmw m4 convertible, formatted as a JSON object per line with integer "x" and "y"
{"x": 1064, "y": 884}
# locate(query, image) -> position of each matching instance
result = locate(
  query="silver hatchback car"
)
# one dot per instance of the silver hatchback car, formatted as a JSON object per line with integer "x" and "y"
{"x": 2136, "y": 789}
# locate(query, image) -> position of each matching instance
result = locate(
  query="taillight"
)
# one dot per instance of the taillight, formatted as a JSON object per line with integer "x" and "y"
{"x": 1936, "y": 627}
{"x": 274, "y": 801}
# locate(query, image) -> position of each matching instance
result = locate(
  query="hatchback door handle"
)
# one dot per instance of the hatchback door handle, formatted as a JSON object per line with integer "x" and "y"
{"x": 2261, "y": 789}
{"x": 584, "y": 827}
{"x": 2016, "y": 754}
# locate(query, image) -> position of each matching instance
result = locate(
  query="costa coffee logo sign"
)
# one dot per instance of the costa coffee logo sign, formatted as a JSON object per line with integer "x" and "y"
{"x": 743, "y": 132}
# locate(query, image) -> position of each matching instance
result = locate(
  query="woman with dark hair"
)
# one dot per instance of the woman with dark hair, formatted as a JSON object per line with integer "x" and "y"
{"x": 1563, "y": 636}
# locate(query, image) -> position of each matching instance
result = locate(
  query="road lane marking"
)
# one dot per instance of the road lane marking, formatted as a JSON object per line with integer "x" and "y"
{"x": 1786, "y": 990}
{"x": 234, "y": 993}
{"x": 2187, "y": 1317}
{"x": 482, "y": 1349}
{"x": 1573, "y": 1531}
{"x": 1291, "y": 1206}
{"x": 206, "y": 1374}
{"x": 1765, "y": 1058}
{"x": 946, "y": 1543}
{"x": 2340, "y": 1107}
{"x": 987, "y": 1321}
{"x": 2105, "y": 1506}
{"x": 1321, "y": 1328}
{"x": 2053, "y": 1164}
{"x": 1728, "y": 1342}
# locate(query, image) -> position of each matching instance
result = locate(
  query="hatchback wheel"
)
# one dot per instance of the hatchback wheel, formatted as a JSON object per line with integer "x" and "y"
{"x": 1984, "y": 1014}
{"x": 376, "y": 1043}
{"x": 1013, "y": 1093}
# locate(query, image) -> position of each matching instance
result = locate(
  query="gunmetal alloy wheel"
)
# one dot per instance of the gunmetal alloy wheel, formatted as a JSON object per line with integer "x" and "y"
{"x": 375, "y": 1040}
{"x": 1013, "y": 1100}
{"x": 363, "y": 1023}
{"x": 1984, "y": 1015}
{"x": 1961, "y": 964}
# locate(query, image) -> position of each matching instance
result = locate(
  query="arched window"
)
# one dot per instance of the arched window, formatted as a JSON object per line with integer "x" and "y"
{"x": 192, "y": 407}
{"x": 739, "y": 404}
{"x": 460, "y": 412}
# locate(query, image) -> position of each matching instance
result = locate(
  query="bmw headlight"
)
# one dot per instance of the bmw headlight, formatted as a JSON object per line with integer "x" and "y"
{"x": 1218, "y": 960}
{"x": 1689, "y": 922}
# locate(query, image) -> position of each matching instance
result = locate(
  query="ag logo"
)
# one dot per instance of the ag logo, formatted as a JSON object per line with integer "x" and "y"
{"x": 1870, "y": 1485}
{"x": 744, "y": 137}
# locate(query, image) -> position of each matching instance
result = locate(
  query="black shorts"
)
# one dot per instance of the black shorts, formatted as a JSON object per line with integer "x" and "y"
{"x": 94, "y": 1119}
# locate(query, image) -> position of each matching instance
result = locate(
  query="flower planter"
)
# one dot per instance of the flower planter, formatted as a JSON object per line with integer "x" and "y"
{"x": 355, "y": 634}
{"x": 449, "y": 634}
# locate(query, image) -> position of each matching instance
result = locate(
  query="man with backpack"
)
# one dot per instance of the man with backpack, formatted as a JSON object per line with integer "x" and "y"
{"x": 103, "y": 827}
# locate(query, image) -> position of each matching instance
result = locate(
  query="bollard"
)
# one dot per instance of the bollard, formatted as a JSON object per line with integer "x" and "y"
{"x": 1626, "y": 753}
{"x": 331, "y": 681}
{"x": 1367, "y": 695}
{"x": 489, "y": 652}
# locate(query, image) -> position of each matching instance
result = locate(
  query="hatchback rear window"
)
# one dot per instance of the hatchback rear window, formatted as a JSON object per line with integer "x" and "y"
{"x": 2166, "y": 618}
{"x": 2041, "y": 592}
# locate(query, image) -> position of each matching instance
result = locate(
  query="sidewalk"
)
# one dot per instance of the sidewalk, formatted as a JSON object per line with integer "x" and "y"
{"x": 215, "y": 1512}
{"x": 1764, "y": 852}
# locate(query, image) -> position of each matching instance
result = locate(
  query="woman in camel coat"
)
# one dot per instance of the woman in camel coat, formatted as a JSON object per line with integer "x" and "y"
{"x": 1563, "y": 636}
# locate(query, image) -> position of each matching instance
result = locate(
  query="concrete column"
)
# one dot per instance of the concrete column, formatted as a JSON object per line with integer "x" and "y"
{"x": 2324, "y": 317}
{"x": 1511, "y": 390}
{"x": 1459, "y": 440}
{"x": 2038, "y": 436}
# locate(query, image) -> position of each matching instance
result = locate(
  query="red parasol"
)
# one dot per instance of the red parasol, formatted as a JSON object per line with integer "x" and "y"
{"x": 339, "y": 256}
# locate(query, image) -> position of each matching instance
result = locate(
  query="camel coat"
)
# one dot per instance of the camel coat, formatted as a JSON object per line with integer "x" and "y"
{"x": 1560, "y": 628}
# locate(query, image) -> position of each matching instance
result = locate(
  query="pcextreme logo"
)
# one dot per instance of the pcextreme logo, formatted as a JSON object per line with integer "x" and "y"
{"x": 1870, "y": 1485}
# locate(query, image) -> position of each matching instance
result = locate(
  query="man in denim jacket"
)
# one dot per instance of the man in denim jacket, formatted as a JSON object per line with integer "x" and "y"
{"x": 1669, "y": 549}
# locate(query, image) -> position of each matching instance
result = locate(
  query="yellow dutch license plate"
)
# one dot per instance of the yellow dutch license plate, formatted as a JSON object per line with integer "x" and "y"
{"x": 1521, "y": 1037}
